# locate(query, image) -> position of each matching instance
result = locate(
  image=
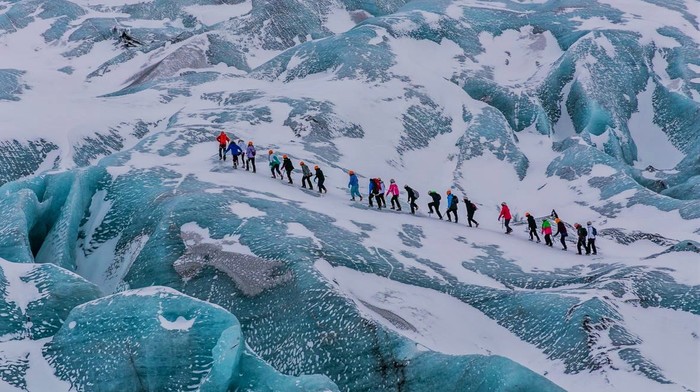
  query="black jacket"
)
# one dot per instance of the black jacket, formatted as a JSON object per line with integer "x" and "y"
{"x": 470, "y": 206}
{"x": 561, "y": 229}
{"x": 287, "y": 164}
{"x": 531, "y": 222}
{"x": 319, "y": 175}
{"x": 436, "y": 197}
{"x": 409, "y": 193}
{"x": 582, "y": 232}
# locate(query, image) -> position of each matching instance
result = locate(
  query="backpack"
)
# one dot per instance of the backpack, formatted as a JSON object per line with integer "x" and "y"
{"x": 594, "y": 231}
{"x": 415, "y": 193}
{"x": 253, "y": 151}
{"x": 377, "y": 186}
{"x": 474, "y": 207}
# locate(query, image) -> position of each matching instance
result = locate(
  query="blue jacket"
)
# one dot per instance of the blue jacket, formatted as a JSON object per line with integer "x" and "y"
{"x": 234, "y": 149}
{"x": 451, "y": 201}
{"x": 371, "y": 185}
{"x": 353, "y": 181}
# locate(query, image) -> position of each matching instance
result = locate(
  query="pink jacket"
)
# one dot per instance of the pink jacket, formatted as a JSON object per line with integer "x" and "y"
{"x": 393, "y": 190}
{"x": 547, "y": 230}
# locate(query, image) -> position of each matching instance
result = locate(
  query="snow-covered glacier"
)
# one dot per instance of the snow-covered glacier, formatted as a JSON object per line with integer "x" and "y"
{"x": 132, "y": 258}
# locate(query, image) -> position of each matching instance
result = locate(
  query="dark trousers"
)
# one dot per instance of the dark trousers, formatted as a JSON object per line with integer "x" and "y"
{"x": 435, "y": 205}
{"x": 591, "y": 246}
{"x": 582, "y": 244}
{"x": 413, "y": 204}
{"x": 562, "y": 238}
{"x": 235, "y": 161}
{"x": 533, "y": 234}
{"x": 305, "y": 180}
{"x": 276, "y": 168}
{"x": 321, "y": 187}
{"x": 452, "y": 211}
{"x": 470, "y": 219}
{"x": 507, "y": 223}
{"x": 289, "y": 176}
{"x": 381, "y": 202}
{"x": 548, "y": 239}
{"x": 371, "y": 197}
{"x": 395, "y": 202}
{"x": 249, "y": 162}
{"x": 222, "y": 151}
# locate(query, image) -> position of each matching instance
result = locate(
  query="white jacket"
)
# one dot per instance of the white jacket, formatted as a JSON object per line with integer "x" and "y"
{"x": 590, "y": 234}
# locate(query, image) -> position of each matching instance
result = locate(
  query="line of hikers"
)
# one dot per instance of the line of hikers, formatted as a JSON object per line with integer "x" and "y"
{"x": 377, "y": 192}
{"x": 248, "y": 153}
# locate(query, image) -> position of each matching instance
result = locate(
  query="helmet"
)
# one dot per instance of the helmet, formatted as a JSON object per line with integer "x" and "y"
{"x": 285, "y": 156}
{"x": 270, "y": 151}
{"x": 316, "y": 167}
{"x": 557, "y": 220}
{"x": 449, "y": 191}
{"x": 588, "y": 223}
{"x": 250, "y": 143}
{"x": 527, "y": 214}
{"x": 392, "y": 181}
{"x": 431, "y": 191}
{"x": 577, "y": 225}
{"x": 350, "y": 172}
{"x": 503, "y": 203}
{"x": 301, "y": 163}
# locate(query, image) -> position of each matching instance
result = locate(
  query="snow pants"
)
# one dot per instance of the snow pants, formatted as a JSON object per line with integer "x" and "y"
{"x": 222, "y": 152}
{"x": 533, "y": 234}
{"x": 289, "y": 177}
{"x": 436, "y": 205}
{"x": 470, "y": 219}
{"x": 275, "y": 168}
{"x": 321, "y": 187}
{"x": 305, "y": 180}
{"x": 355, "y": 191}
{"x": 395, "y": 202}
{"x": 250, "y": 161}
{"x": 563, "y": 241}
{"x": 452, "y": 211}
{"x": 582, "y": 244}
{"x": 591, "y": 246}
{"x": 507, "y": 224}
{"x": 548, "y": 239}
{"x": 414, "y": 206}
{"x": 381, "y": 202}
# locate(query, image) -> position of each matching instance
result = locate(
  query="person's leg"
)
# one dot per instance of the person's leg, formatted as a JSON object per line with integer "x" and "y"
{"x": 398, "y": 204}
{"x": 252, "y": 160}
{"x": 591, "y": 245}
{"x": 507, "y": 224}
{"x": 531, "y": 236}
{"x": 437, "y": 210}
{"x": 221, "y": 152}
{"x": 289, "y": 176}
{"x": 534, "y": 231}
{"x": 430, "y": 207}
{"x": 578, "y": 245}
{"x": 247, "y": 164}
{"x": 563, "y": 241}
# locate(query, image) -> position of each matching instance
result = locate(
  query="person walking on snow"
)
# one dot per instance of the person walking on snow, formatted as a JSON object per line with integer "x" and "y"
{"x": 592, "y": 234}
{"x": 547, "y": 231}
{"x": 235, "y": 152}
{"x": 274, "y": 163}
{"x": 452, "y": 202}
{"x": 223, "y": 141}
{"x": 250, "y": 155}
{"x": 371, "y": 190}
{"x": 379, "y": 195}
{"x": 288, "y": 167}
{"x": 505, "y": 214}
{"x": 435, "y": 204}
{"x": 582, "y": 235}
{"x": 320, "y": 179}
{"x": 412, "y": 196}
{"x": 561, "y": 232}
{"x": 306, "y": 176}
{"x": 241, "y": 145}
{"x": 532, "y": 226}
{"x": 471, "y": 209}
{"x": 394, "y": 192}
{"x": 354, "y": 186}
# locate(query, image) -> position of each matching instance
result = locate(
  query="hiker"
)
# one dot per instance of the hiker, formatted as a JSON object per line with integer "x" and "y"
{"x": 592, "y": 234}
{"x": 412, "y": 196}
{"x": 561, "y": 231}
{"x": 532, "y": 226}
{"x": 320, "y": 179}
{"x": 235, "y": 152}
{"x": 223, "y": 141}
{"x": 241, "y": 145}
{"x": 250, "y": 155}
{"x": 471, "y": 209}
{"x": 306, "y": 175}
{"x": 452, "y": 202}
{"x": 274, "y": 163}
{"x": 582, "y": 235}
{"x": 288, "y": 167}
{"x": 354, "y": 185}
{"x": 371, "y": 188}
{"x": 379, "y": 195}
{"x": 547, "y": 231}
{"x": 435, "y": 204}
{"x": 394, "y": 191}
{"x": 505, "y": 214}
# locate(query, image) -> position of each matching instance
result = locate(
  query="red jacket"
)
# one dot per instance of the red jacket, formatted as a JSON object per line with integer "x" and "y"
{"x": 222, "y": 139}
{"x": 505, "y": 213}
